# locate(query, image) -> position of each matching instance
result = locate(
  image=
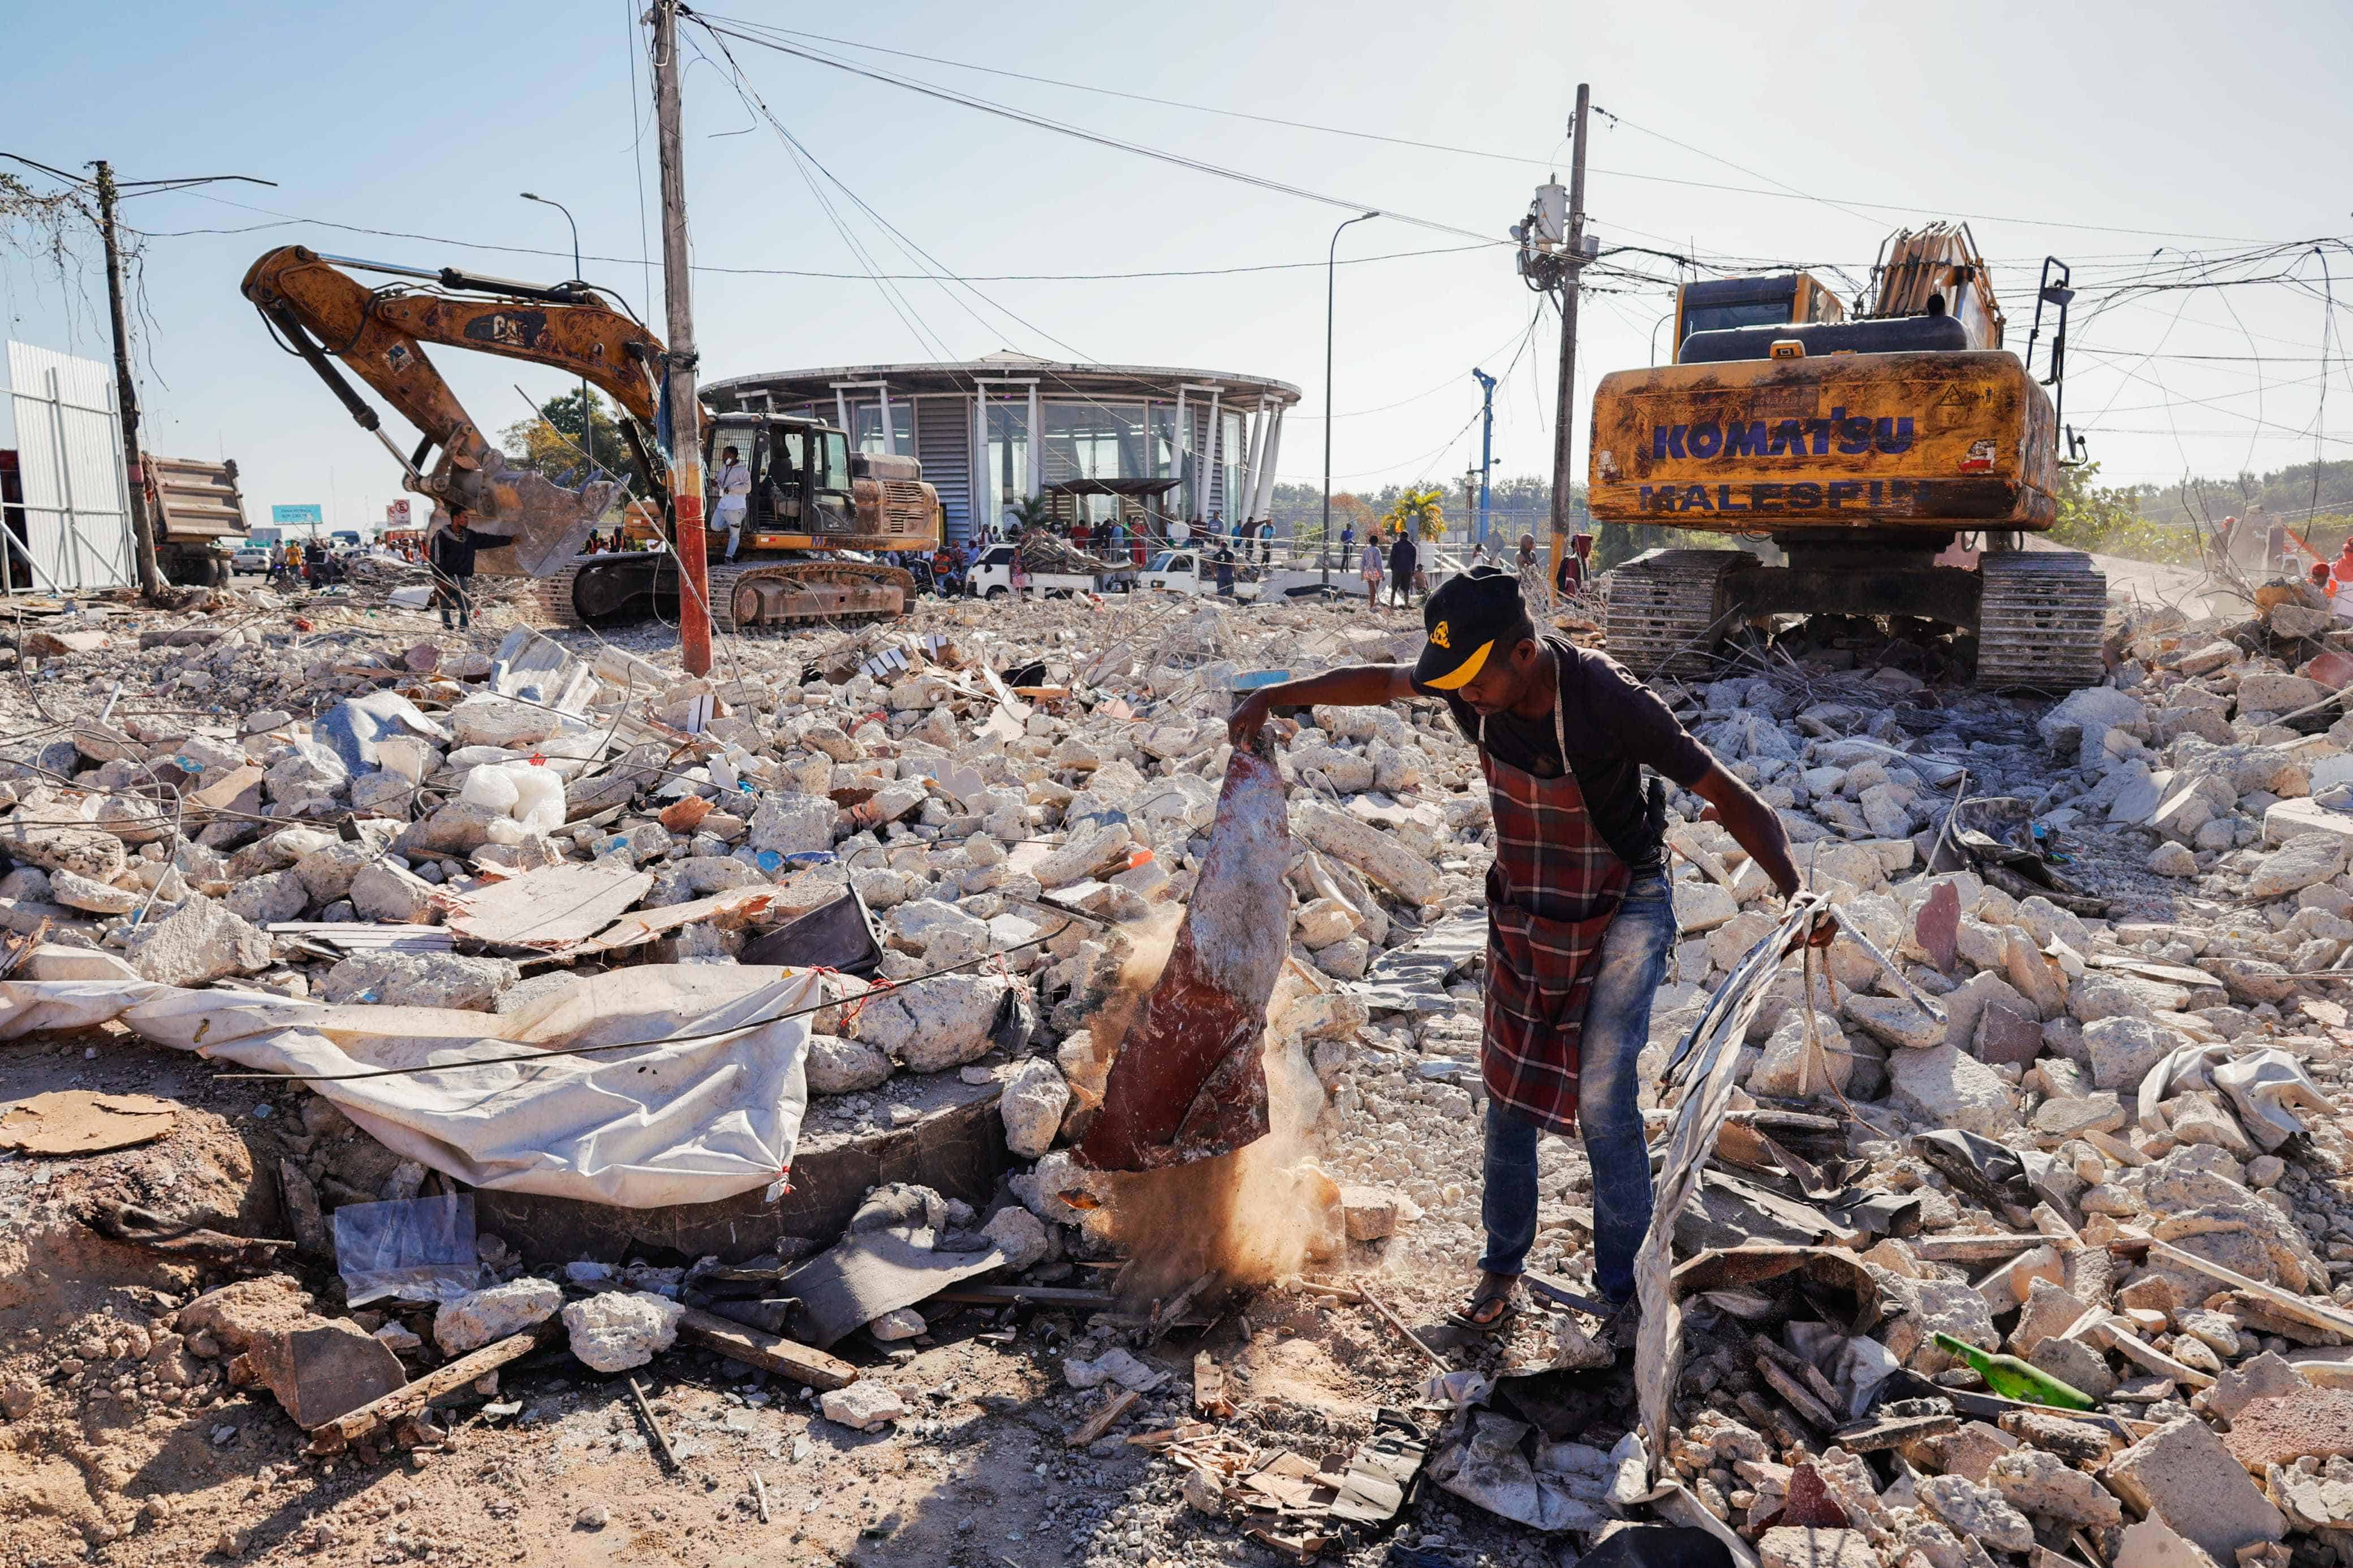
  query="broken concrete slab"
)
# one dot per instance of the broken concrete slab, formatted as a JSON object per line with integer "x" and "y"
{"x": 2281, "y": 1428}
{"x": 202, "y": 940}
{"x": 474, "y": 1320}
{"x": 2183, "y": 1476}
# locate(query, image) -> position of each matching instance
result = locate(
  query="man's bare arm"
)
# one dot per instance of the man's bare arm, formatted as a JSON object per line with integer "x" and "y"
{"x": 1754, "y": 825}
{"x": 1354, "y": 686}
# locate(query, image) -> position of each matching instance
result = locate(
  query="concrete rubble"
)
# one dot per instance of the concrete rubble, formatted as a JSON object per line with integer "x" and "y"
{"x": 2138, "y": 927}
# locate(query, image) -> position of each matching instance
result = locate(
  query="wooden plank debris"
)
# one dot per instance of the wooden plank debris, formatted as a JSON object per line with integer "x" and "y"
{"x": 768, "y": 1351}
{"x": 1024, "y": 1296}
{"x": 1168, "y": 1435}
{"x": 1210, "y": 1397}
{"x": 1951, "y": 1249}
{"x": 1103, "y": 1420}
{"x": 374, "y": 1417}
{"x": 552, "y": 907}
{"x": 2318, "y": 1311}
{"x": 727, "y": 911}
{"x": 365, "y": 936}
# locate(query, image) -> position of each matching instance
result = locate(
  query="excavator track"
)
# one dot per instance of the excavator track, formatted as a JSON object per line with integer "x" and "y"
{"x": 751, "y": 595}
{"x": 551, "y": 597}
{"x": 1668, "y": 609}
{"x": 746, "y": 596}
{"x": 2041, "y": 620}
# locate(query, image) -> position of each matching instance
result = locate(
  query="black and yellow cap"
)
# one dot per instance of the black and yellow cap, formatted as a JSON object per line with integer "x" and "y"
{"x": 1464, "y": 619}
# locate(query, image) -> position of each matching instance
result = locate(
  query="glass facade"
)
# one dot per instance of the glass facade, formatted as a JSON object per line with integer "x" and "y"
{"x": 1129, "y": 434}
{"x": 1006, "y": 471}
{"x": 866, "y": 427}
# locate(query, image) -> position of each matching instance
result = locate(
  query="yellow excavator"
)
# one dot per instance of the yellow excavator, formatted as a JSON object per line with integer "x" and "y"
{"x": 1866, "y": 447}
{"x": 814, "y": 503}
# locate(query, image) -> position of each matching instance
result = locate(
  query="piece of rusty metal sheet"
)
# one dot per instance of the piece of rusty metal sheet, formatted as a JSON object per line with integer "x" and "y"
{"x": 1190, "y": 1080}
{"x": 1833, "y": 1281}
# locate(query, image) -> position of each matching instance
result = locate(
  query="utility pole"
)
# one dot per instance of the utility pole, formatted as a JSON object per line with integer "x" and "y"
{"x": 126, "y": 393}
{"x": 1564, "y": 423}
{"x": 1486, "y": 444}
{"x": 685, "y": 414}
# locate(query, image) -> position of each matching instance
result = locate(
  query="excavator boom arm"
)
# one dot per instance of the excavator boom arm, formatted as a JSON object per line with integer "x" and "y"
{"x": 327, "y": 315}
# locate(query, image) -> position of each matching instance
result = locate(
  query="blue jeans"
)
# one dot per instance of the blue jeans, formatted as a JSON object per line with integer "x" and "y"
{"x": 1629, "y": 969}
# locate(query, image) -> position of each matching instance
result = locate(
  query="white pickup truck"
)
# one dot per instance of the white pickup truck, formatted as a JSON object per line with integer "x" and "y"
{"x": 1193, "y": 571}
{"x": 992, "y": 577}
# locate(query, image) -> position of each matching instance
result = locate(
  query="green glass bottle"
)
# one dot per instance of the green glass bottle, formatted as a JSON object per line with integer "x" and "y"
{"x": 2014, "y": 1379}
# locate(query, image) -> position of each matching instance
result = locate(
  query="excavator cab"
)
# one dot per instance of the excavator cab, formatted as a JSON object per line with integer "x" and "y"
{"x": 802, "y": 493}
{"x": 1720, "y": 304}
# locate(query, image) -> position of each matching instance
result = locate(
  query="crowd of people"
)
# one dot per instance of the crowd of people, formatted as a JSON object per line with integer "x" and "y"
{"x": 2333, "y": 579}
{"x": 309, "y": 562}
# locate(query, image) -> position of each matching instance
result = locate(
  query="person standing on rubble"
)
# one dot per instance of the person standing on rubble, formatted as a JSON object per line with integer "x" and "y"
{"x": 1579, "y": 916}
{"x": 1404, "y": 561}
{"x": 1576, "y": 573}
{"x": 451, "y": 554}
{"x": 1371, "y": 568}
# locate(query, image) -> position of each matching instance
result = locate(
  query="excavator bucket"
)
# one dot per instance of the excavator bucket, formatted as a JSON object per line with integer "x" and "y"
{"x": 1190, "y": 1079}
{"x": 548, "y": 523}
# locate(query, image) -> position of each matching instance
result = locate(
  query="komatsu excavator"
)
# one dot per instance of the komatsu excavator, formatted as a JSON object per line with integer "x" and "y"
{"x": 1865, "y": 446}
{"x": 813, "y": 500}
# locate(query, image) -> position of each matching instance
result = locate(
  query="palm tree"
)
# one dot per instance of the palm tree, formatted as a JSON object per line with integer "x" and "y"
{"x": 1031, "y": 514}
{"x": 1423, "y": 511}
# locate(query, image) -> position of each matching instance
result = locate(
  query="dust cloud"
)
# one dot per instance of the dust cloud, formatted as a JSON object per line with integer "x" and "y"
{"x": 1245, "y": 1218}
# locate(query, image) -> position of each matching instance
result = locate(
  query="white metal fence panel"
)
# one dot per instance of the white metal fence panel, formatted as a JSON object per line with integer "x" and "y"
{"x": 70, "y": 452}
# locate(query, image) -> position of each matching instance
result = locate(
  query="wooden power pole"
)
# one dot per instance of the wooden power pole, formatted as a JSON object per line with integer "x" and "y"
{"x": 126, "y": 393}
{"x": 1564, "y": 424}
{"x": 685, "y": 414}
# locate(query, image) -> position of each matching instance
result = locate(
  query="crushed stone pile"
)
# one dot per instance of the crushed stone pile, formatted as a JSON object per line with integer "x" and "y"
{"x": 2118, "y": 1154}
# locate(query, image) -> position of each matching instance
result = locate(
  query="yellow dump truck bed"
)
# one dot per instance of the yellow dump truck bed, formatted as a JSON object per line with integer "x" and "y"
{"x": 1948, "y": 439}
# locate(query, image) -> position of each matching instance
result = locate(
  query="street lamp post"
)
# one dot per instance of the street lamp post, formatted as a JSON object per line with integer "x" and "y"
{"x": 1331, "y": 297}
{"x": 587, "y": 417}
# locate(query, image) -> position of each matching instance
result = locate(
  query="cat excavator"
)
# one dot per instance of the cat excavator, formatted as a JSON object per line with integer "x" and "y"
{"x": 1866, "y": 447}
{"x": 814, "y": 503}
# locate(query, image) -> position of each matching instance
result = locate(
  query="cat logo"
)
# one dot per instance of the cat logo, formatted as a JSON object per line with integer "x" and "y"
{"x": 1438, "y": 636}
{"x": 508, "y": 328}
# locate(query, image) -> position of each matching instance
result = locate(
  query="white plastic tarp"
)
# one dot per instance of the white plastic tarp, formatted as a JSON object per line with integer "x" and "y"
{"x": 709, "y": 1105}
{"x": 2266, "y": 1088}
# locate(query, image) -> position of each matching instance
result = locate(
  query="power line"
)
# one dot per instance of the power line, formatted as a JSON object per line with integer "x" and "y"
{"x": 1006, "y": 111}
{"x": 1785, "y": 192}
{"x": 284, "y": 218}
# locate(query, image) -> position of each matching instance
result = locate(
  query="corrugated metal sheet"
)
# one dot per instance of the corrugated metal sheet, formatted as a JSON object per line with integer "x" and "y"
{"x": 943, "y": 446}
{"x": 69, "y": 445}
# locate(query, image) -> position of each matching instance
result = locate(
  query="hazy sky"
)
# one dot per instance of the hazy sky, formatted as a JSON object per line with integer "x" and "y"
{"x": 2131, "y": 140}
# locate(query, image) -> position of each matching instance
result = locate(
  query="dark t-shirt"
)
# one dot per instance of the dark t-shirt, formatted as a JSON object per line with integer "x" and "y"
{"x": 1617, "y": 725}
{"x": 1402, "y": 556}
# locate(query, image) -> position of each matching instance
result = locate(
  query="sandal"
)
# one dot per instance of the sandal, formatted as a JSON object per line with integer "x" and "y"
{"x": 1488, "y": 1312}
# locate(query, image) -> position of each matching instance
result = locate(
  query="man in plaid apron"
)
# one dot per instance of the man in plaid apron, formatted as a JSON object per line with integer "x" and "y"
{"x": 1580, "y": 916}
